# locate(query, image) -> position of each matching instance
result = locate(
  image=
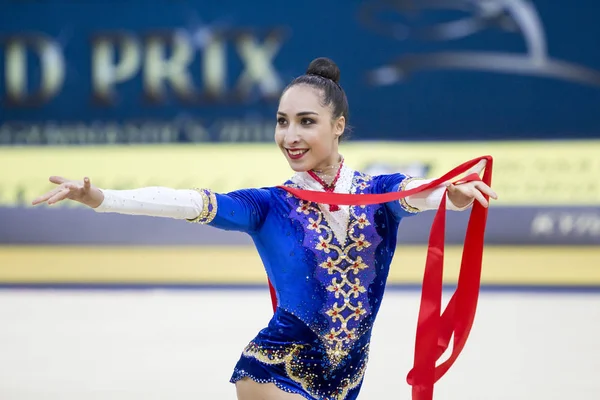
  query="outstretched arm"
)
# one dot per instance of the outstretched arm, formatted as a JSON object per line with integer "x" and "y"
{"x": 242, "y": 210}
{"x": 153, "y": 201}
{"x": 150, "y": 201}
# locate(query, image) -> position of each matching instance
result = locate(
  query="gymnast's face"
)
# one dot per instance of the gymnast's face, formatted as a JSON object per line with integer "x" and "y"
{"x": 306, "y": 133}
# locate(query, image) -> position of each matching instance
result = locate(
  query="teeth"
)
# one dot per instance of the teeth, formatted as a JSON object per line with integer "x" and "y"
{"x": 297, "y": 152}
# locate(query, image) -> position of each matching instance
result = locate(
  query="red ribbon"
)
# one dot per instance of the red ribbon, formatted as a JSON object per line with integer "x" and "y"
{"x": 434, "y": 329}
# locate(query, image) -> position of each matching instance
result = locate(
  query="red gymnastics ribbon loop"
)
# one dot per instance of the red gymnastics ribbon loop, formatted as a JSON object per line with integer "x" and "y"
{"x": 434, "y": 329}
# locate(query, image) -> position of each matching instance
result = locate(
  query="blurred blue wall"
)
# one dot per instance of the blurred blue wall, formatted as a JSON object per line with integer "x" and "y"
{"x": 194, "y": 71}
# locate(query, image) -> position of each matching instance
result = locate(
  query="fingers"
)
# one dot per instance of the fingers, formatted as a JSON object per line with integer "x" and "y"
{"x": 62, "y": 192}
{"x": 59, "y": 196}
{"x": 479, "y": 197}
{"x": 482, "y": 187}
{"x": 57, "y": 179}
{"x": 43, "y": 198}
{"x": 477, "y": 168}
{"x": 480, "y": 166}
{"x": 474, "y": 191}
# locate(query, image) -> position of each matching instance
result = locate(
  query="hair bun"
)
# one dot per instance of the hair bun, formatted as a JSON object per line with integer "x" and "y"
{"x": 324, "y": 67}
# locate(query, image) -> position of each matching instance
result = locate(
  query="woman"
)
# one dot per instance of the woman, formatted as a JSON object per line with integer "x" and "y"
{"x": 327, "y": 263}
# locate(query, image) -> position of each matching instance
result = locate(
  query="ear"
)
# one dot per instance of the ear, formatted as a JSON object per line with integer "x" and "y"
{"x": 339, "y": 126}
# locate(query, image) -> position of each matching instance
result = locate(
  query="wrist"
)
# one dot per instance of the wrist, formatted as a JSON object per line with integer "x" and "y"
{"x": 94, "y": 198}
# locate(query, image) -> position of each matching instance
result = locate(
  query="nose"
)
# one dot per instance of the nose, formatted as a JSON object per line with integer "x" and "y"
{"x": 292, "y": 137}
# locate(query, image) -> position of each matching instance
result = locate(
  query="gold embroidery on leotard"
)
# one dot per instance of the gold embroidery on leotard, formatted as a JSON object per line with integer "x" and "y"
{"x": 403, "y": 203}
{"x": 209, "y": 207}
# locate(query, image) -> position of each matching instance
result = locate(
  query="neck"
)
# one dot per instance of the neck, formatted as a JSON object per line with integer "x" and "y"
{"x": 327, "y": 167}
{"x": 329, "y": 172}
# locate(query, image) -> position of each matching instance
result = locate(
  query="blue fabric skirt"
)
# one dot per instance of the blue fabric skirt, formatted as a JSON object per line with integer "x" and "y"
{"x": 290, "y": 355}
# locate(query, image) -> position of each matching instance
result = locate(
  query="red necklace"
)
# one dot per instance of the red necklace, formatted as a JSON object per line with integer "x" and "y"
{"x": 331, "y": 187}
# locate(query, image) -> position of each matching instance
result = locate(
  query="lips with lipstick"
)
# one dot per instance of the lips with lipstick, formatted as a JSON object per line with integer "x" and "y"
{"x": 296, "y": 154}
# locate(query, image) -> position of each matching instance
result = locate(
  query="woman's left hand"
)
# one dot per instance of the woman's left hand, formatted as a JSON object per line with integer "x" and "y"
{"x": 463, "y": 194}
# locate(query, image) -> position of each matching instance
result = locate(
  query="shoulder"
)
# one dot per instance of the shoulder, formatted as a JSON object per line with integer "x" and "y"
{"x": 389, "y": 182}
{"x": 256, "y": 196}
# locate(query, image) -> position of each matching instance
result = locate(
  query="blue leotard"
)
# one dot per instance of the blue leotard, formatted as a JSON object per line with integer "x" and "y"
{"x": 329, "y": 285}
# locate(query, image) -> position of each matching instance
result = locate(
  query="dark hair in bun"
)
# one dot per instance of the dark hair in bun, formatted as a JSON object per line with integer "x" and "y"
{"x": 324, "y": 74}
{"x": 324, "y": 67}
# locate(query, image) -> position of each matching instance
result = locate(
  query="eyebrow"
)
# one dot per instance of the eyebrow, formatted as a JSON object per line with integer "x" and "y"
{"x": 300, "y": 114}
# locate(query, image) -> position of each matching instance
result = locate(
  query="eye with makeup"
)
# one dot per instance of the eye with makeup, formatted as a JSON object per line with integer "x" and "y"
{"x": 307, "y": 121}
{"x": 304, "y": 121}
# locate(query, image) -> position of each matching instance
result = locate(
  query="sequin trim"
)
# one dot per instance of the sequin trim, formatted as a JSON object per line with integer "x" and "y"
{"x": 403, "y": 203}
{"x": 240, "y": 374}
{"x": 300, "y": 373}
{"x": 209, "y": 207}
{"x": 289, "y": 356}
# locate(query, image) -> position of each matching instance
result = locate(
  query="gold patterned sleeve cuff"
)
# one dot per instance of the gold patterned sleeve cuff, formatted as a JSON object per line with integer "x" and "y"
{"x": 403, "y": 203}
{"x": 209, "y": 207}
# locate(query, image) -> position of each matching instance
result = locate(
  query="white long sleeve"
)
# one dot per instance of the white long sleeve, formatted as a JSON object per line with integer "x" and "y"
{"x": 187, "y": 204}
{"x": 429, "y": 199}
{"x": 153, "y": 201}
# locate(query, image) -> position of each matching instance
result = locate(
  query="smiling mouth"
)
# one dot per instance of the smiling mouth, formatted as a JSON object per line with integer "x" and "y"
{"x": 297, "y": 153}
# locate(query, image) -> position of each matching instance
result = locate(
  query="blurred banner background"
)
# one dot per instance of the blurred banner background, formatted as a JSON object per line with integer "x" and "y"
{"x": 184, "y": 93}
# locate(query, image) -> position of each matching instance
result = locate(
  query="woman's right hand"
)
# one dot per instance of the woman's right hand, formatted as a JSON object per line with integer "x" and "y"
{"x": 80, "y": 191}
